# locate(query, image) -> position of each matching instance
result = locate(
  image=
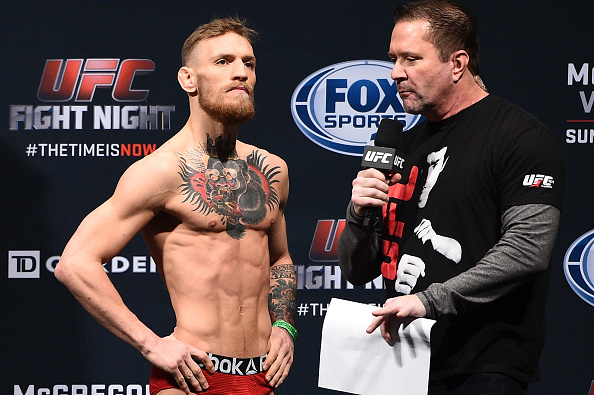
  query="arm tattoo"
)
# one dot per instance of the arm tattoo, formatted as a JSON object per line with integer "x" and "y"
{"x": 283, "y": 289}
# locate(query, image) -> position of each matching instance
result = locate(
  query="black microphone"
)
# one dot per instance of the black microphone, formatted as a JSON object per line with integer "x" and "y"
{"x": 384, "y": 156}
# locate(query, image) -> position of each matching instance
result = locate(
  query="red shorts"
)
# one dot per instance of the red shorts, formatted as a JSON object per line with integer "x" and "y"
{"x": 232, "y": 376}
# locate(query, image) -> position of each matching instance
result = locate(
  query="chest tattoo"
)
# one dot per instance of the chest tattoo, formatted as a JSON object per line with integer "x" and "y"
{"x": 241, "y": 191}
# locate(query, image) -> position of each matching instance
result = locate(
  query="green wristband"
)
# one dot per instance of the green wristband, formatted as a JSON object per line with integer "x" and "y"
{"x": 288, "y": 327}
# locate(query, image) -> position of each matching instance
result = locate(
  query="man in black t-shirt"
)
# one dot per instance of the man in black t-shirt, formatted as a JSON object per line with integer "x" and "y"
{"x": 468, "y": 238}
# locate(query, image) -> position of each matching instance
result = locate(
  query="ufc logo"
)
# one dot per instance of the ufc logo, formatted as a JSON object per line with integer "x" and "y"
{"x": 538, "y": 181}
{"x": 64, "y": 80}
{"x": 374, "y": 157}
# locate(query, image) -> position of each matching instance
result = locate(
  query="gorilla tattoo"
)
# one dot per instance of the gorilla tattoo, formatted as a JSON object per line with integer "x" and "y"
{"x": 239, "y": 190}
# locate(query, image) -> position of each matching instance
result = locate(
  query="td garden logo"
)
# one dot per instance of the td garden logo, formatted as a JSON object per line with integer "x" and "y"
{"x": 340, "y": 106}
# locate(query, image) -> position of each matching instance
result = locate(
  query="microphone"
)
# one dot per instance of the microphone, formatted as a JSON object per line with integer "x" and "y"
{"x": 384, "y": 156}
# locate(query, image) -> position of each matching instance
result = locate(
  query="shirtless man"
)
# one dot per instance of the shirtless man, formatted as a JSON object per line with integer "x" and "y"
{"x": 211, "y": 210}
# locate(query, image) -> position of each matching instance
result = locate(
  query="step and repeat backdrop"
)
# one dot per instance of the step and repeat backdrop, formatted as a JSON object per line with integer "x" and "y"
{"x": 88, "y": 87}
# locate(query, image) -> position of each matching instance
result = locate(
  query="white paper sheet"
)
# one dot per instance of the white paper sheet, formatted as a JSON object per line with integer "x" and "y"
{"x": 351, "y": 360}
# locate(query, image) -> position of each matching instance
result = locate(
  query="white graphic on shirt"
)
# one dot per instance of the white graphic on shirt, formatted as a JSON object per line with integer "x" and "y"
{"x": 437, "y": 161}
{"x": 410, "y": 268}
{"x": 446, "y": 246}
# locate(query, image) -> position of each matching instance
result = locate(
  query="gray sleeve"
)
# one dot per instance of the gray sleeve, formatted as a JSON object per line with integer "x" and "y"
{"x": 358, "y": 250}
{"x": 529, "y": 233}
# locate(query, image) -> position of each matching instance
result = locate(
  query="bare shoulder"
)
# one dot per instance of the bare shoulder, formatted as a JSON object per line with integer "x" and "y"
{"x": 160, "y": 165}
{"x": 262, "y": 157}
{"x": 271, "y": 166}
{"x": 150, "y": 179}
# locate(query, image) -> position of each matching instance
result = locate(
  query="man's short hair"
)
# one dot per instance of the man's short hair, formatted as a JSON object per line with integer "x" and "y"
{"x": 214, "y": 28}
{"x": 452, "y": 27}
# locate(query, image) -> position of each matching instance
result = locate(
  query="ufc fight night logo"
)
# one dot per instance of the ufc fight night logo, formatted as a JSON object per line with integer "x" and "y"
{"x": 78, "y": 78}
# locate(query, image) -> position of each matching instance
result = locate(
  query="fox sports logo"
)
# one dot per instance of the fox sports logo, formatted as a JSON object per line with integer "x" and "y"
{"x": 340, "y": 107}
{"x": 578, "y": 266}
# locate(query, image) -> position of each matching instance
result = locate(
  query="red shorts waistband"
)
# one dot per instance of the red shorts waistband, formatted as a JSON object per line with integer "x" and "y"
{"x": 236, "y": 366}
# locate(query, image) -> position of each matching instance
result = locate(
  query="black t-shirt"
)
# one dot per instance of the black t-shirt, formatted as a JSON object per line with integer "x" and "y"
{"x": 462, "y": 174}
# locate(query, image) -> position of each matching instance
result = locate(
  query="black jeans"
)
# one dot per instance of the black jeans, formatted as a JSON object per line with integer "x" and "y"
{"x": 479, "y": 384}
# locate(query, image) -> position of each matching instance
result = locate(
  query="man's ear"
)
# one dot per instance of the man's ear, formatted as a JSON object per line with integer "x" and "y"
{"x": 186, "y": 80}
{"x": 459, "y": 64}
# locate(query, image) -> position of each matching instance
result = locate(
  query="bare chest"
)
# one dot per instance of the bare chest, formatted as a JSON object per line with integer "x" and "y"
{"x": 231, "y": 196}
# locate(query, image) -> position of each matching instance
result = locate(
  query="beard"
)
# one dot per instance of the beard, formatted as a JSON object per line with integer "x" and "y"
{"x": 412, "y": 108}
{"x": 414, "y": 104}
{"x": 237, "y": 110}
